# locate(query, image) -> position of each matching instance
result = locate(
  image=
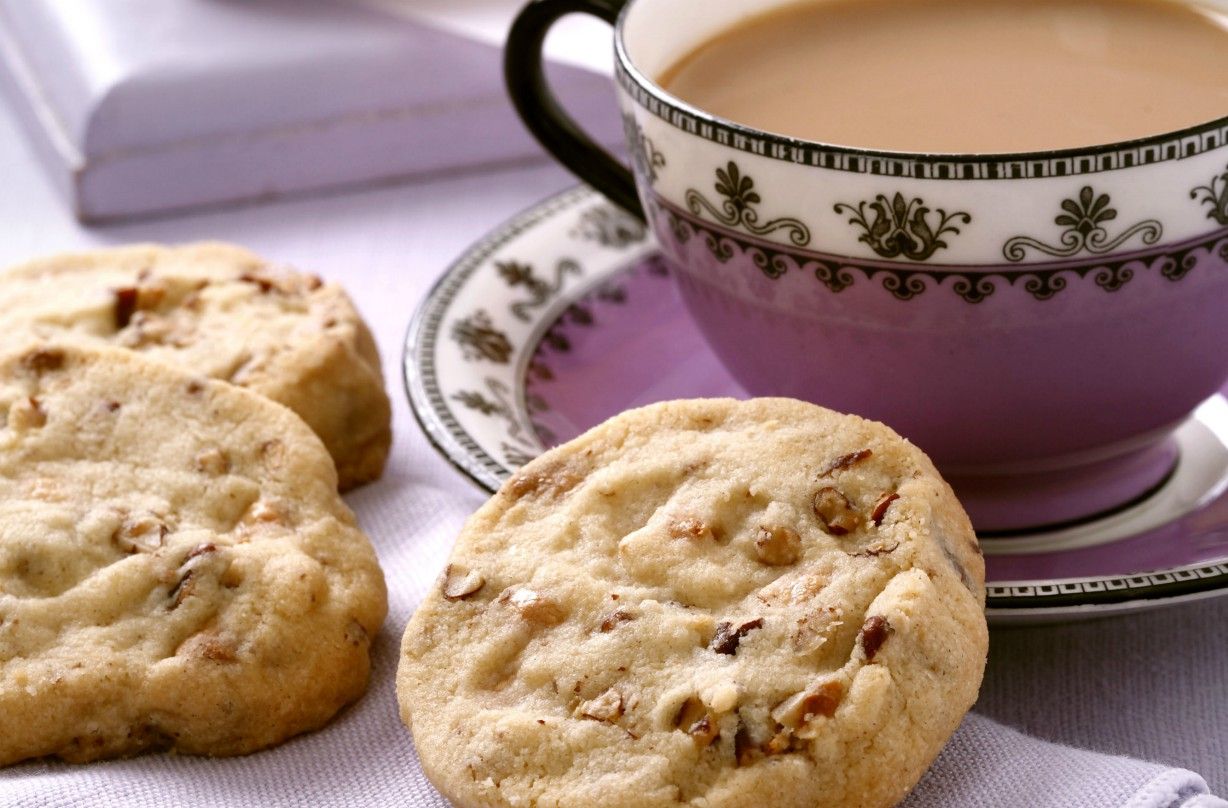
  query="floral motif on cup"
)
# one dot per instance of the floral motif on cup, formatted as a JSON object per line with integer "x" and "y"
{"x": 1215, "y": 194}
{"x": 902, "y": 227}
{"x": 738, "y": 207}
{"x": 479, "y": 339}
{"x": 1083, "y": 219}
{"x": 648, "y": 161}
{"x": 541, "y": 291}
{"x": 609, "y": 227}
{"x": 905, "y": 282}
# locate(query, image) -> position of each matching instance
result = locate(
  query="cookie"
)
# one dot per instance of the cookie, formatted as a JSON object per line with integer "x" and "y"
{"x": 220, "y": 311}
{"x": 708, "y": 602}
{"x": 177, "y": 570}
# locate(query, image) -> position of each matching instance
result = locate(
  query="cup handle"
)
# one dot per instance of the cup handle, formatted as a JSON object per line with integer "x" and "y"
{"x": 557, "y": 132}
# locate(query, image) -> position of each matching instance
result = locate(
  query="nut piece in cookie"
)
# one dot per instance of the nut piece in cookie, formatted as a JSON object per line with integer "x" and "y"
{"x": 714, "y": 603}
{"x": 834, "y": 510}
{"x": 459, "y": 584}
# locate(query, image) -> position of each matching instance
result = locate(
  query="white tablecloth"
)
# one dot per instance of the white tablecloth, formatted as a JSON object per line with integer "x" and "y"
{"x": 1152, "y": 686}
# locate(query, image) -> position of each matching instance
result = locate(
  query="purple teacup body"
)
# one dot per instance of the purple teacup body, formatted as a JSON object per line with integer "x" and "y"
{"x": 1037, "y": 323}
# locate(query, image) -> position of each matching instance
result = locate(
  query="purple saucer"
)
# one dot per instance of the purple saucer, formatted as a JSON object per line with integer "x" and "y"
{"x": 566, "y": 316}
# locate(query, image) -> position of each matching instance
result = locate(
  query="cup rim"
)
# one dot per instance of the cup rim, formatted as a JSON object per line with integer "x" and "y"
{"x": 624, "y": 64}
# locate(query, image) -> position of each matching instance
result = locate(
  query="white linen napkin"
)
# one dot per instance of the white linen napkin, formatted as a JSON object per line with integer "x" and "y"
{"x": 989, "y": 764}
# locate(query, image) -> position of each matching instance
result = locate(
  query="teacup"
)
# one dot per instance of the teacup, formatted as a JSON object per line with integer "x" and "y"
{"x": 1038, "y": 323}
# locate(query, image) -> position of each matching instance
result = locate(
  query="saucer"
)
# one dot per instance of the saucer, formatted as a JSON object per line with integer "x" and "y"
{"x": 566, "y": 315}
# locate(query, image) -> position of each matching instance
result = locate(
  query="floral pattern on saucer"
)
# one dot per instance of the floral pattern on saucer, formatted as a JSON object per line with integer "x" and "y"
{"x": 470, "y": 348}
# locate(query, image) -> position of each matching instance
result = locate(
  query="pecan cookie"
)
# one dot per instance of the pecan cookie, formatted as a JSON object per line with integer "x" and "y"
{"x": 220, "y": 311}
{"x": 710, "y": 602}
{"x": 177, "y": 570}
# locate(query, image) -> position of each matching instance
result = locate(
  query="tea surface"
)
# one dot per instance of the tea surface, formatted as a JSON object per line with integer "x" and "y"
{"x": 964, "y": 75}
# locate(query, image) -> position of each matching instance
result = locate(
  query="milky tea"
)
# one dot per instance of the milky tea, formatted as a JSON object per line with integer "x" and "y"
{"x": 970, "y": 76}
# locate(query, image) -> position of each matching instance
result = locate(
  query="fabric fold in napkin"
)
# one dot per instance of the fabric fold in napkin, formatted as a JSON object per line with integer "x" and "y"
{"x": 988, "y": 764}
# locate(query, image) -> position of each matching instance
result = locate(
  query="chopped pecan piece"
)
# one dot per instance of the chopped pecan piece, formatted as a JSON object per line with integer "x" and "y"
{"x": 535, "y": 607}
{"x": 880, "y": 507}
{"x": 704, "y": 731}
{"x": 689, "y": 528}
{"x": 232, "y": 577}
{"x": 744, "y": 750}
{"x": 727, "y": 638}
{"x": 140, "y": 534}
{"x": 523, "y": 483}
{"x": 125, "y": 305}
{"x": 265, "y": 284}
{"x": 873, "y": 634}
{"x": 146, "y": 329}
{"x": 835, "y": 511}
{"x": 200, "y": 550}
{"x": 816, "y": 627}
{"x": 43, "y": 359}
{"x": 273, "y": 453}
{"x": 964, "y": 576}
{"x": 459, "y": 584}
{"x": 876, "y": 549}
{"x": 614, "y": 618}
{"x": 218, "y": 651}
{"x": 697, "y": 721}
{"x": 212, "y": 461}
{"x": 150, "y": 295}
{"x": 554, "y": 480}
{"x": 801, "y": 708}
{"x": 689, "y": 712}
{"x": 778, "y": 546}
{"x": 723, "y": 698}
{"x": 183, "y": 589}
{"x": 355, "y": 634}
{"x": 780, "y": 742}
{"x": 186, "y": 585}
{"x": 607, "y": 707}
{"x": 269, "y": 512}
{"x": 27, "y": 413}
{"x": 845, "y": 461}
